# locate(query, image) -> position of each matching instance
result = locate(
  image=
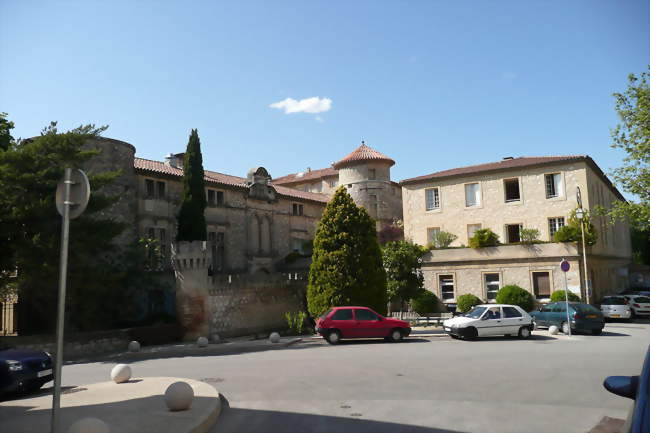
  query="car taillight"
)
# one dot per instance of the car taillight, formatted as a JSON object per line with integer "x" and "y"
{"x": 636, "y": 305}
{"x": 576, "y": 316}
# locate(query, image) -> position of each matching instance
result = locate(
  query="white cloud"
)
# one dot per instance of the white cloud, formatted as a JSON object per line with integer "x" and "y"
{"x": 311, "y": 105}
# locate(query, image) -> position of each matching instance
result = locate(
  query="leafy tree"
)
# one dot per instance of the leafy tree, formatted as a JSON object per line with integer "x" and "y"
{"x": 484, "y": 238}
{"x": 346, "y": 266}
{"x": 515, "y": 295}
{"x": 558, "y": 295}
{"x": 442, "y": 239}
{"x": 572, "y": 232}
{"x": 633, "y": 136}
{"x": 467, "y": 302}
{"x": 641, "y": 246}
{"x": 402, "y": 262}
{"x": 425, "y": 302}
{"x": 30, "y": 225}
{"x": 392, "y": 232}
{"x": 6, "y": 126}
{"x": 529, "y": 236}
{"x": 191, "y": 217}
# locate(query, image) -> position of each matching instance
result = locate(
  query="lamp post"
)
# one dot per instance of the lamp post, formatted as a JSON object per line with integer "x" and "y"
{"x": 580, "y": 214}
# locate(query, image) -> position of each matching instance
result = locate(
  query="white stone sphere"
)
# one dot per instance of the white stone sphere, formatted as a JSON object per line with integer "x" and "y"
{"x": 215, "y": 338}
{"x": 202, "y": 342}
{"x": 89, "y": 425}
{"x": 134, "y": 346}
{"x": 179, "y": 396}
{"x": 553, "y": 330}
{"x": 121, "y": 373}
{"x": 274, "y": 337}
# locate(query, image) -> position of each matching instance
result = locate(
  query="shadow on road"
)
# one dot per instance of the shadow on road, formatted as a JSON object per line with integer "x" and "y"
{"x": 238, "y": 420}
{"x": 382, "y": 341}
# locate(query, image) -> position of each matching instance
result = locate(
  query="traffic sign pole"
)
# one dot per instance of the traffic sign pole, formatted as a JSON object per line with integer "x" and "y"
{"x": 565, "y": 266}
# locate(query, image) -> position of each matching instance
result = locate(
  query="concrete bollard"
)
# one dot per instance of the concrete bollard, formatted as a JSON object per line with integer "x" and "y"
{"x": 179, "y": 396}
{"x": 134, "y": 346}
{"x": 121, "y": 373}
{"x": 89, "y": 425}
{"x": 274, "y": 337}
{"x": 202, "y": 342}
{"x": 215, "y": 338}
{"x": 553, "y": 330}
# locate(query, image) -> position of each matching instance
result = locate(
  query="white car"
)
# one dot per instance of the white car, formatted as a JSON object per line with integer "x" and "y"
{"x": 490, "y": 319}
{"x": 615, "y": 307}
{"x": 640, "y": 305}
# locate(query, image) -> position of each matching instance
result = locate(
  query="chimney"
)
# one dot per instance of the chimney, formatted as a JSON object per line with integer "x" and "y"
{"x": 507, "y": 158}
{"x": 308, "y": 169}
{"x": 175, "y": 160}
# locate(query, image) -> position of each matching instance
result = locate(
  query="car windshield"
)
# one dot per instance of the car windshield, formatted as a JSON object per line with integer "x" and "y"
{"x": 618, "y": 300}
{"x": 325, "y": 314}
{"x": 476, "y": 312}
{"x": 642, "y": 299}
{"x": 584, "y": 308}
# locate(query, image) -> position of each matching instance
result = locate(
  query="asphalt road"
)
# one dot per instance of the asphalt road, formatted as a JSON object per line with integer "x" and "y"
{"x": 421, "y": 385}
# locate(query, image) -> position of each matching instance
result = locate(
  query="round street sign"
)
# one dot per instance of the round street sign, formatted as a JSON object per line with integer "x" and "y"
{"x": 79, "y": 193}
{"x": 565, "y": 266}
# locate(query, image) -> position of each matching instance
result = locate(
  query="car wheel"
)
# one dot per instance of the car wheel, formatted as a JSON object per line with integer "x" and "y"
{"x": 472, "y": 333}
{"x": 396, "y": 335}
{"x": 596, "y": 331}
{"x": 334, "y": 337}
{"x": 524, "y": 332}
{"x": 565, "y": 328}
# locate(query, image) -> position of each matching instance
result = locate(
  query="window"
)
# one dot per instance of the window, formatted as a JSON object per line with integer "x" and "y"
{"x": 160, "y": 187}
{"x": 297, "y": 209}
{"x": 492, "y": 286}
{"x": 511, "y": 188}
{"x": 513, "y": 232}
{"x": 149, "y": 188}
{"x": 553, "y": 185}
{"x": 297, "y": 245}
{"x": 432, "y": 234}
{"x": 373, "y": 206}
{"x": 554, "y": 225}
{"x": 372, "y": 175}
{"x": 471, "y": 228}
{"x": 432, "y": 198}
{"x": 541, "y": 285}
{"x": 333, "y": 183}
{"x": 559, "y": 308}
{"x": 342, "y": 315}
{"x": 151, "y": 233}
{"x": 365, "y": 315}
{"x": 509, "y": 312}
{"x": 162, "y": 237}
{"x": 211, "y": 197}
{"x": 317, "y": 187}
{"x": 446, "y": 287}
{"x": 472, "y": 195}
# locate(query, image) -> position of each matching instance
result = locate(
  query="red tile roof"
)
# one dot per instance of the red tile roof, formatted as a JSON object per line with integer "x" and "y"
{"x": 146, "y": 165}
{"x": 363, "y": 153}
{"x": 306, "y": 175}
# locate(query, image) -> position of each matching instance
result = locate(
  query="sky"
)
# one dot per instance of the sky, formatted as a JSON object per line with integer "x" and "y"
{"x": 294, "y": 84}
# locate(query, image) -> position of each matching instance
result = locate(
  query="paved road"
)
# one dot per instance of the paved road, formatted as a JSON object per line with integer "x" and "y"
{"x": 418, "y": 386}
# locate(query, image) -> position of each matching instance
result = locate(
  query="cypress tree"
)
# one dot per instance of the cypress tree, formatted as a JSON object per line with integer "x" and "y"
{"x": 191, "y": 218}
{"x": 346, "y": 264}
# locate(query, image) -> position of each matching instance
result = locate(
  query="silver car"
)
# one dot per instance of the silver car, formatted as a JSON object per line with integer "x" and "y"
{"x": 615, "y": 307}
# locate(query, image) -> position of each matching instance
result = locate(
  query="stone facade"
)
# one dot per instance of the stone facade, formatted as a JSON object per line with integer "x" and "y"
{"x": 518, "y": 195}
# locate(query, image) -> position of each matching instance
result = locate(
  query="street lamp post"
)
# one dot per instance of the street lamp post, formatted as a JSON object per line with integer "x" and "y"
{"x": 580, "y": 214}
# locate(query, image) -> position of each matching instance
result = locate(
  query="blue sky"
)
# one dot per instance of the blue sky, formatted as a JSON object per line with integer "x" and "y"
{"x": 433, "y": 84}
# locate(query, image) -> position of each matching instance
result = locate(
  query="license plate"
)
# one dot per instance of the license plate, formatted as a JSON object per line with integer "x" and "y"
{"x": 591, "y": 316}
{"x": 44, "y": 373}
{"x": 615, "y": 315}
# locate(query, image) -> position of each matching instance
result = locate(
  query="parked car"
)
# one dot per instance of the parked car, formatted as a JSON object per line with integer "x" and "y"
{"x": 359, "y": 322}
{"x": 24, "y": 370}
{"x": 638, "y": 389}
{"x": 615, "y": 307}
{"x": 582, "y": 317}
{"x": 640, "y": 305}
{"x": 490, "y": 319}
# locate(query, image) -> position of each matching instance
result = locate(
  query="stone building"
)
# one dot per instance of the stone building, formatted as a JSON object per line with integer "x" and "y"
{"x": 506, "y": 196}
{"x": 365, "y": 173}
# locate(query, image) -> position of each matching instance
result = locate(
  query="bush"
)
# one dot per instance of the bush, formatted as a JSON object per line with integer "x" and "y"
{"x": 529, "y": 236}
{"x": 558, "y": 296}
{"x": 467, "y": 302}
{"x": 425, "y": 302}
{"x": 515, "y": 295}
{"x": 296, "y": 322}
{"x": 442, "y": 239}
{"x": 484, "y": 238}
{"x": 567, "y": 234}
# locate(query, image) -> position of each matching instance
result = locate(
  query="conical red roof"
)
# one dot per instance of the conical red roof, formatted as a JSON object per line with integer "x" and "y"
{"x": 363, "y": 153}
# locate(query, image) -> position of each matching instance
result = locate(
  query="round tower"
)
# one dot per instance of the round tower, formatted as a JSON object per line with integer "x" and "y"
{"x": 366, "y": 174}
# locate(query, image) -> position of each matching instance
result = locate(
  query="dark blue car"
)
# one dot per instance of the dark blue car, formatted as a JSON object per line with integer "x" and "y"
{"x": 637, "y": 388}
{"x": 582, "y": 317}
{"x": 24, "y": 370}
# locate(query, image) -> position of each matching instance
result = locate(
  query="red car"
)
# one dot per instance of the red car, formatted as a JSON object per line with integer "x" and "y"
{"x": 359, "y": 322}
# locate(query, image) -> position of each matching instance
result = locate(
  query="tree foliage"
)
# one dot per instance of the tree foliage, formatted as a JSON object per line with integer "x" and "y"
{"x": 529, "y": 236}
{"x": 425, "y": 302}
{"x": 442, "y": 239}
{"x": 633, "y": 136}
{"x": 191, "y": 216}
{"x": 402, "y": 262}
{"x": 6, "y": 126}
{"x": 391, "y": 232}
{"x": 641, "y": 246}
{"x": 346, "y": 266}
{"x": 572, "y": 232}
{"x": 484, "y": 238}
{"x": 515, "y": 295}
{"x": 558, "y": 295}
{"x": 467, "y": 301}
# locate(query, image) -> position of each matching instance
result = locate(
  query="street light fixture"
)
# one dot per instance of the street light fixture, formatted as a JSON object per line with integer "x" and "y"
{"x": 580, "y": 214}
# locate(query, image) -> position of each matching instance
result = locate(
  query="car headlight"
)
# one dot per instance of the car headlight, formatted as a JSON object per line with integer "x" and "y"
{"x": 14, "y": 365}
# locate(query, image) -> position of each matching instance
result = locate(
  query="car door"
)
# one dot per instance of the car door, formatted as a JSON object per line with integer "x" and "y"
{"x": 558, "y": 315}
{"x": 343, "y": 320}
{"x": 368, "y": 324}
{"x": 491, "y": 322}
{"x": 512, "y": 320}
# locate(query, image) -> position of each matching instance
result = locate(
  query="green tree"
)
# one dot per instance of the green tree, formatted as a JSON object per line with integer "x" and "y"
{"x": 572, "y": 232}
{"x": 425, "y": 302}
{"x": 558, "y": 295}
{"x": 515, "y": 295}
{"x": 467, "y": 301}
{"x": 6, "y": 140}
{"x": 402, "y": 262}
{"x": 641, "y": 246}
{"x": 529, "y": 236}
{"x": 484, "y": 238}
{"x": 346, "y": 266}
{"x": 191, "y": 217}
{"x": 30, "y": 225}
{"x": 633, "y": 136}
